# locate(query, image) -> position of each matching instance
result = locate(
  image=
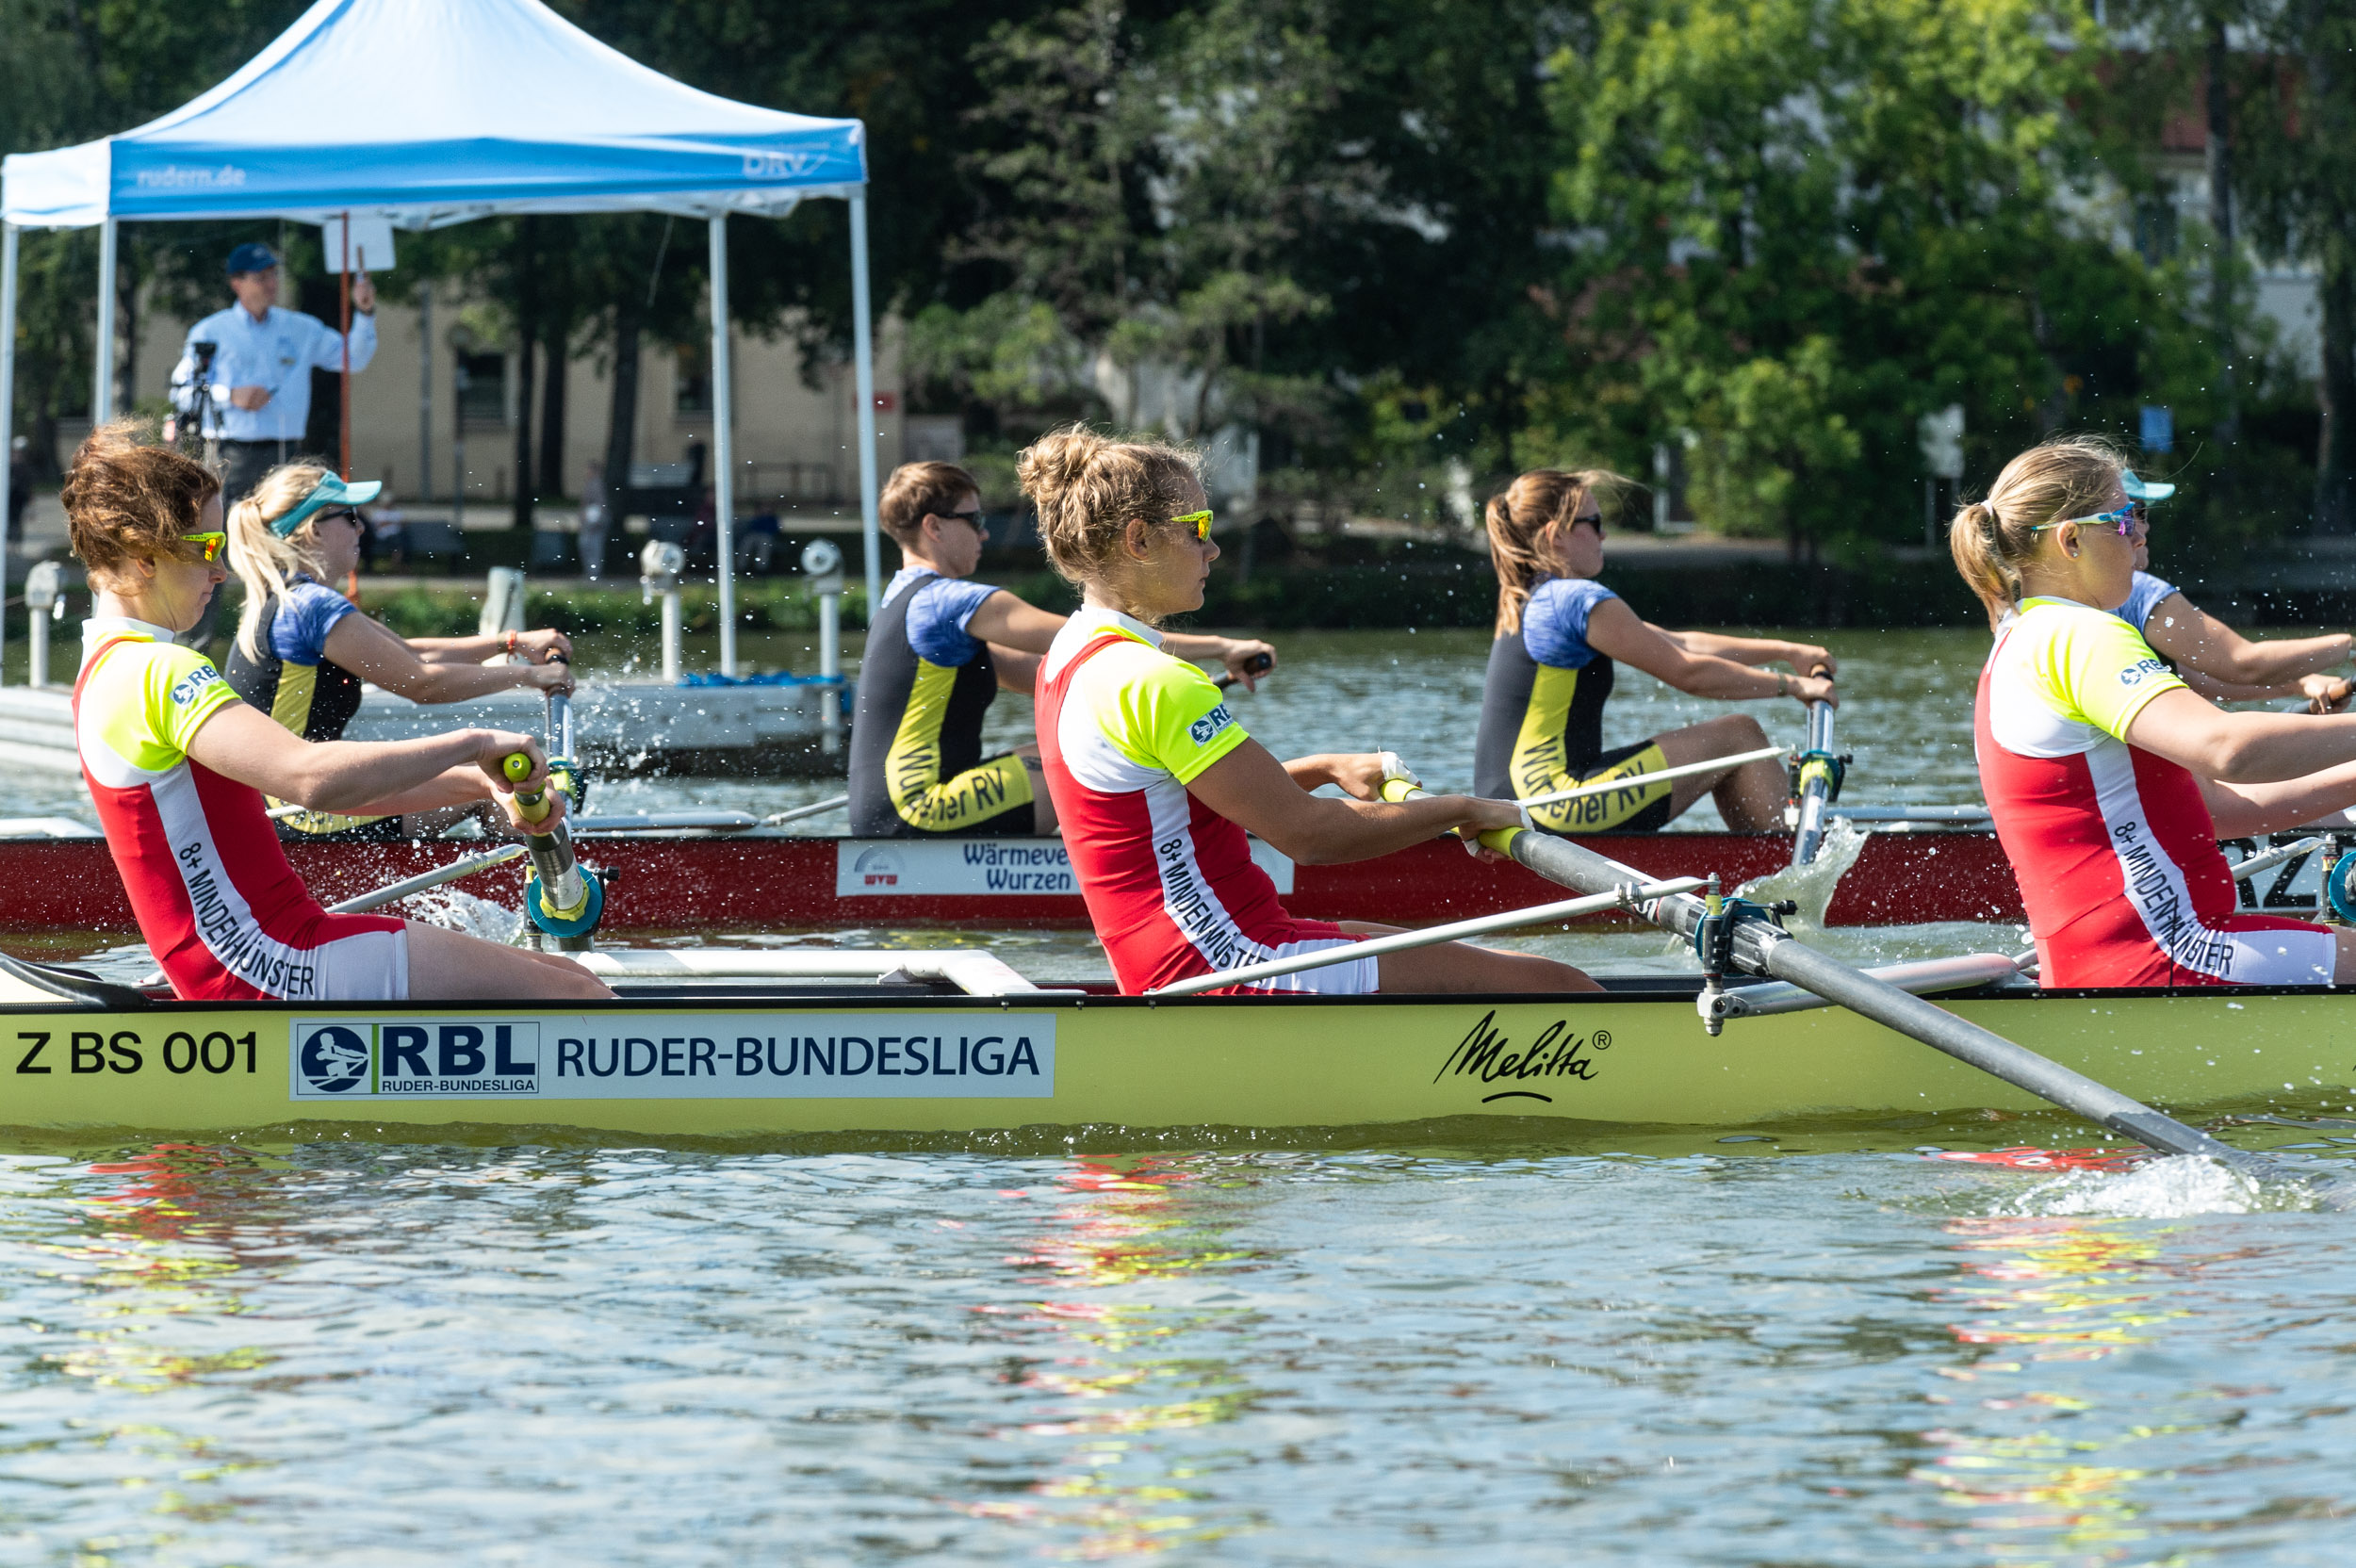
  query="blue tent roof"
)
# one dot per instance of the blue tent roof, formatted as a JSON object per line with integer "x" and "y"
{"x": 436, "y": 111}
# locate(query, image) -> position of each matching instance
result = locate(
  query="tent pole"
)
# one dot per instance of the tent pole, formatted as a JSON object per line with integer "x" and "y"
{"x": 863, "y": 370}
{"x": 8, "y": 370}
{"x": 102, "y": 402}
{"x": 722, "y": 443}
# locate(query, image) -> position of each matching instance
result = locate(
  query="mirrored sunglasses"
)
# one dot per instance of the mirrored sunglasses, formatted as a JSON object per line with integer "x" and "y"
{"x": 2123, "y": 520}
{"x": 212, "y": 543}
{"x": 1199, "y": 521}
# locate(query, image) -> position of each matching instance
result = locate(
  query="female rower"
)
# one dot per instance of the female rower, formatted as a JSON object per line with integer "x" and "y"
{"x": 2214, "y": 659}
{"x": 1156, "y": 782}
{"x": 937, "y": 653}
{"x": 303, "y": 649}
{"x": 1550, "y": 671}
{"x": 2111, "y": 781}
{"x": 177, "y": 765}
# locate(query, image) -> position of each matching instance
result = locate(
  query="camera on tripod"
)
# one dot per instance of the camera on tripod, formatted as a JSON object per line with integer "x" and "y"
{"x": 202, "y": 415}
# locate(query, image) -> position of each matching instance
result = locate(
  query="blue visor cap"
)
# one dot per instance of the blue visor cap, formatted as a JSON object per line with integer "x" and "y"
{"x": 251, "y": 258}
{"x": 332, "y": 492}
{"x": 2144, "y": 489}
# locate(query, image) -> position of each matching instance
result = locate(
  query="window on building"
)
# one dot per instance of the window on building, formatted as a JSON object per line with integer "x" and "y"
{"x": 692, "y": 394}
{"x": 2155, "y": 228}
{"x": 483, "y": 388}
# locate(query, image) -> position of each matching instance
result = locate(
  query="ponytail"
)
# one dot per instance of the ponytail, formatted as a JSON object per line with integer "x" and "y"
{"x": 2069, "y": 476}
{"x": 1523, "y": 520}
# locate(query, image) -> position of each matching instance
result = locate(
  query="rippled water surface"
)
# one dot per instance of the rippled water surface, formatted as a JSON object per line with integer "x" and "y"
{"x": 436, "y": 1355}
{"x": 1777, "y": 1347}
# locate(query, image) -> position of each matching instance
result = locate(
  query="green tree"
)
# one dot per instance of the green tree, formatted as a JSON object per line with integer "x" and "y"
{"x": 1798, "y": 225}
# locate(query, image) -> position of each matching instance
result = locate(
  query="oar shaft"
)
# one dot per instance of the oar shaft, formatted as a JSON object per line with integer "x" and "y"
{"x": 1816, "y": 777}
{"x": 1638, "y": 780}
{"x": 778, "y": 819}
{"x": 395, "y": 893}
{"x": 1583, "y": 870}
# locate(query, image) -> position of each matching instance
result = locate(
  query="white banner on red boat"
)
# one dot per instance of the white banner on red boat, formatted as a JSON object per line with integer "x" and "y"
{"x": 775, "y": 1055}
{"x": 980, "y": 868}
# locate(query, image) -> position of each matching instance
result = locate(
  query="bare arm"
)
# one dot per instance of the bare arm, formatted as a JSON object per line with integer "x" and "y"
{"x": 1237, "y": 653}
{"x": 241, "y": 742}
{"x": 2322, "y": 693}
{"x": 370, "y": 650}
{"x": 1018, "y": 671}
{"x": 2240, "y": 748}
{"x": 537, "y": 648}
{"x": 2241, "y": 810}
{"x": 1250, "y": 788}
{"x": 1804, "y": 658}
{"x": 2192, "y": 639}
{"x": 1614, "y": 629}
{"x": 1012, "y": 623}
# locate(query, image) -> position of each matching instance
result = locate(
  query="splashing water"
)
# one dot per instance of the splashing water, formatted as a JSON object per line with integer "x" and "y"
{"x": 1811, "y": 886}
{"x": 464, "y": 912}
{"x": 2170, "y": 1188}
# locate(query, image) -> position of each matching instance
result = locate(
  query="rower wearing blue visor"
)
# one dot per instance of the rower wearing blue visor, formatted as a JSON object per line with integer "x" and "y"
{"x": 303, "y": 649}
{"x": 2214, "y": 659}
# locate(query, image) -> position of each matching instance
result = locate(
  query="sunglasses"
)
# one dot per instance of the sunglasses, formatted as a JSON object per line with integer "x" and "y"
{"x": 212, "y": 543}
{"x": 973, "y": 518}
{"x": 1592, "y": 520}
{"x": 347, "y": 514}
{"x": 2123, "y": 520}
{"x": 1199, "y": 521}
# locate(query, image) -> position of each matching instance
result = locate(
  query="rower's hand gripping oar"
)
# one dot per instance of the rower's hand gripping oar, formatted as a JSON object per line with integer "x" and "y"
{"x": 1258, "y": 666}
{"x": 561, "y": 896}
{"x": 1735, "y": 934}
{"x": 1817, "y": 781}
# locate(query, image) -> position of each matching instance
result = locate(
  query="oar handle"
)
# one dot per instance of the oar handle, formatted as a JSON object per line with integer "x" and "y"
{"x": 1258, "y": 664}
{"x": 532, "y": 804}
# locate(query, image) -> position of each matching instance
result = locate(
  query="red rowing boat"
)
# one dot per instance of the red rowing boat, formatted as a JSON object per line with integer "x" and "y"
{"x": 767, "y": 881}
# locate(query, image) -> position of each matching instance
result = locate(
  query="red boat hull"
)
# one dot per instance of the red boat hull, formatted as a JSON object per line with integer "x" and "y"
{"x": 770, "y": 883}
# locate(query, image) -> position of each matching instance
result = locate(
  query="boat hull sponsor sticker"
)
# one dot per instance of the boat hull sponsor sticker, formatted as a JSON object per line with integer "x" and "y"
{"x": 980, "y": 868}
{"x": 697, "y": 1056}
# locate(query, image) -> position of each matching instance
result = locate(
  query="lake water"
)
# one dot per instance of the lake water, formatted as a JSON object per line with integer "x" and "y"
{"x": 1825, "y": 1347}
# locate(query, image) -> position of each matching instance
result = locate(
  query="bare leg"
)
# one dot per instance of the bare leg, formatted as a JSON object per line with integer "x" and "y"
{"x": 1751, "y": 798}
{"x": 1456, "y": 968}
{"x": 449, "y": 965}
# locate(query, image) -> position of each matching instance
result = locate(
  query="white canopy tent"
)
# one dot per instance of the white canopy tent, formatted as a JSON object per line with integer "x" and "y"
{"x": 431, "y": 112}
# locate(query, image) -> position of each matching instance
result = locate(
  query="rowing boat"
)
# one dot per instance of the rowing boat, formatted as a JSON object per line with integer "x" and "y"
{"x": 766, "y": 880}
{"x": 904, "y": 1041}
{"x": 773, "y": 880}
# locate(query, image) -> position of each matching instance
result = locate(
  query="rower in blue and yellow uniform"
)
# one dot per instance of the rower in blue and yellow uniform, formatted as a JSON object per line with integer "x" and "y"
{"x": 938, "y": 650}
{"x": 303, "y": 649}
{"x": 1552, "y": 670}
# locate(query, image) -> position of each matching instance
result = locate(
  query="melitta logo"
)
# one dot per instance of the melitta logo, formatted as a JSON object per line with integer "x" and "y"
{"x": 1488, "y": 1056}
{"x": 877, "y": 868}
{"x": 356, "y": 1058}
{"x": 1210, "y": 724}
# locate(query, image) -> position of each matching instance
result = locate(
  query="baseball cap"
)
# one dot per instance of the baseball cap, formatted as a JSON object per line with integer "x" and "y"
{"x": 252, "y": 257}
{"x": 2144, "y": 489}
{"x": 331, "y": 492}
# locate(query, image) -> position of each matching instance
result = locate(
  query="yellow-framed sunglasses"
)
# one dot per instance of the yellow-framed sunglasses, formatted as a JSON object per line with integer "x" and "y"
{"x": 212, "y": 543}
{"x": 1199, "y": 521}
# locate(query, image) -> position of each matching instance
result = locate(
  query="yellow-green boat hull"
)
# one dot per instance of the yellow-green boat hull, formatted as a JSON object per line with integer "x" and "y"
{"x": 748, "y": 1066}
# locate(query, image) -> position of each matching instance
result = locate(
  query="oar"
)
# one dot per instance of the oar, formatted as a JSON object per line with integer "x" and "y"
{"x": 562, "y": 896}
{"x": 1745, "y": 939}
{"x": 1639, "y": 781}
{"x": 1258, "y": 664}
{"x": 1820, "y": 783}
{"x": 394, "y": 893}
{"x": 778, "y": 819}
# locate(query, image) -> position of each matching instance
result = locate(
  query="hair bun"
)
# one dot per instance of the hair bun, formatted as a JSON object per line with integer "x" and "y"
{"x": 1057, "y": 462}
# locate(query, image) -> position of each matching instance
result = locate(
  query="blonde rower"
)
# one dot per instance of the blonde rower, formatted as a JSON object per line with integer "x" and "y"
{"x": 1155, "y": 781}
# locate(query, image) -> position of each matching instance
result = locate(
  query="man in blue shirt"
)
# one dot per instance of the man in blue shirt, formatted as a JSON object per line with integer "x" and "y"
{"x": 253, "y": 394}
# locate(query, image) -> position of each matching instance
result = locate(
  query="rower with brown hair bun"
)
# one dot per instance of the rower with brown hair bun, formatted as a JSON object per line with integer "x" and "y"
{"x": 938, "y": 650}
{"x": 1550, "y": 671}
